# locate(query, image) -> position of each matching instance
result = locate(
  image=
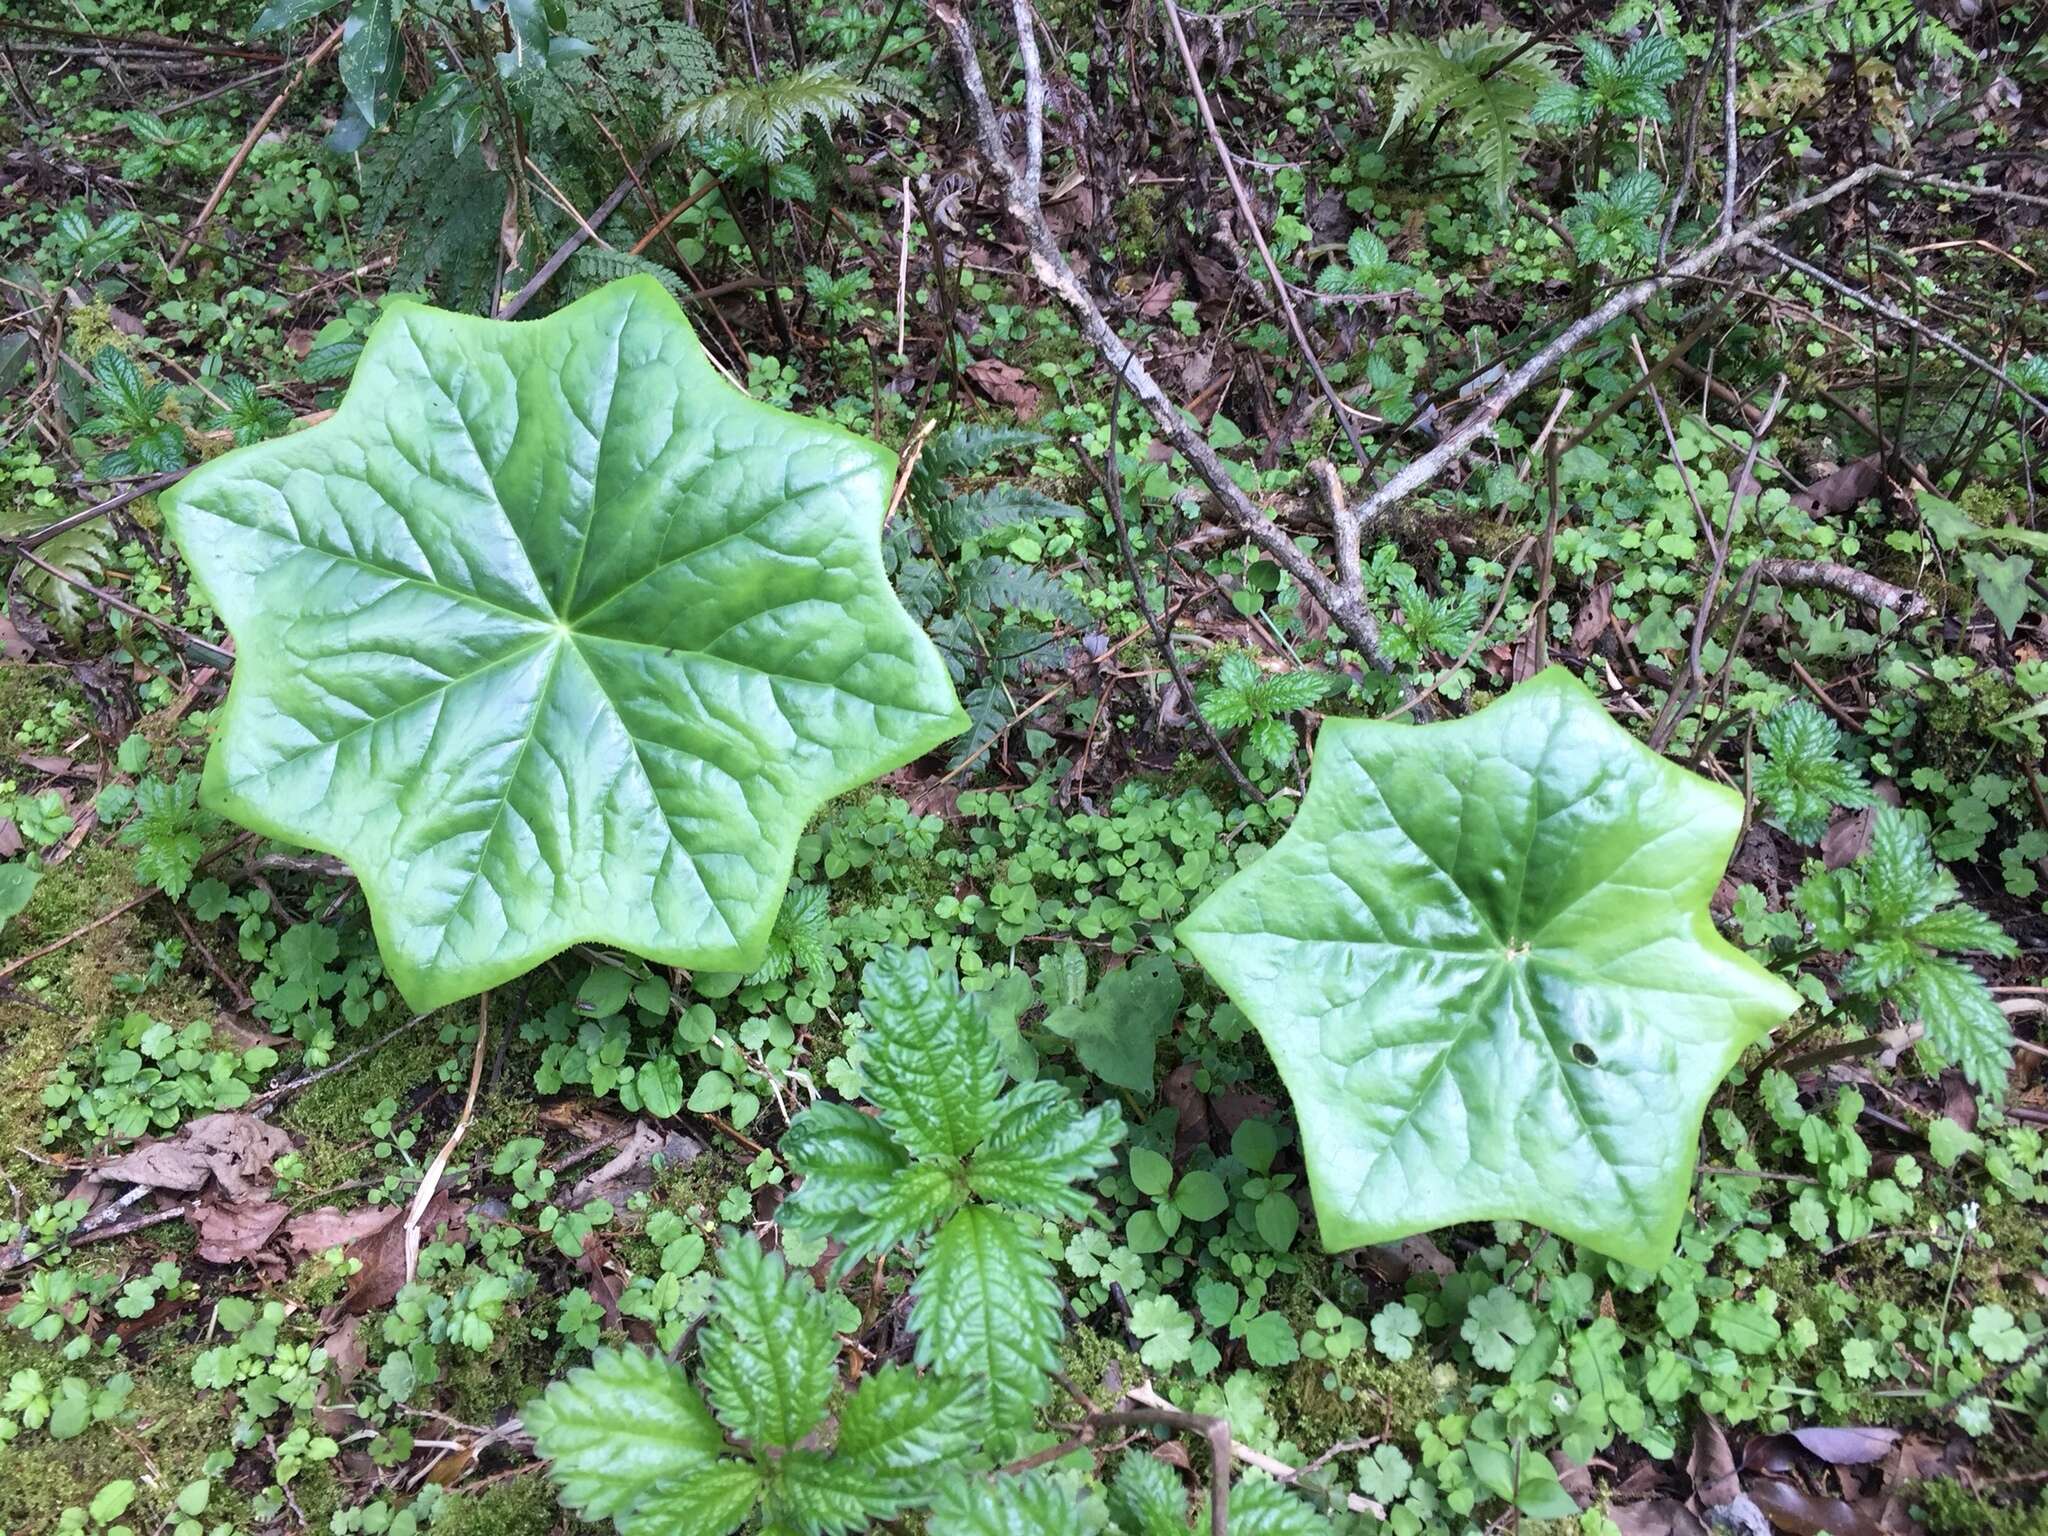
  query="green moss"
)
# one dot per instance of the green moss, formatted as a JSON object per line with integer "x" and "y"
{"x": 41, "y": 1477}
{"x": 27, "y": 693}
{"x": 1949, "y": 1509}
{"x": 521, "y": 1506}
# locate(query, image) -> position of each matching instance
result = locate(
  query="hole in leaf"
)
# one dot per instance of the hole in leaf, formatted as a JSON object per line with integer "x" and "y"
{"x": 1584, "y": 1054}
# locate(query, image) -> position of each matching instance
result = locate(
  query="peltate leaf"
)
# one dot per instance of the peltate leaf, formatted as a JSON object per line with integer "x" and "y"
{"x": 767, "y": 1356}
{"x": 984, "y": 1306}
{"x": 616, "y": 1427}
{"x": 1482, "y": 959}
{"x": 932, "y": 1066}
{"x": 555, "y": 637}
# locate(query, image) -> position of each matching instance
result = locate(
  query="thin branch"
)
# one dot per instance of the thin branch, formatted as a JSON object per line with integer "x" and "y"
{"x": 1731, "y": 166}
{"x": 249, "y": 141}
{"x": 1899, "y": 317}
{"x": 1480, "y": 421}
{"x": 1049, "y": 265}
{"x": 1846, "y": 581}
{"x": 1250, "y": 216}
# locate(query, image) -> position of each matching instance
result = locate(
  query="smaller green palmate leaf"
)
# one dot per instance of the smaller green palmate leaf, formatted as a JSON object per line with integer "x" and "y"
{"x": 615, "y": 1428}
{"x": 1042, "y": 1146}
{"x": 767, "y": 1356}
{"x": 984, "y": 1306}
{"x": 1030, "y": 1505}
{"x": 710, "y": 1501}
{"x": 932, "y": 1068}
{"x": 555, "y": 637}
{"x": 1482, "y": 960}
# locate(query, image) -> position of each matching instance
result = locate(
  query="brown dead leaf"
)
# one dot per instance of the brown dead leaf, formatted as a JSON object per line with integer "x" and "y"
{"x": 1856, "y": 481}
{"x": 1159, "y": 297}
{"x": 1656, "y": 1517}
{"x": 1191, "y": 1127}
{"x": 232, "y": 1231}
{"x": 1795, "y": 1511}
{"x": 1850, "y": 1445}
{"x": 1005, "y": 384}
{"x": 233, "y": 1149}
{"x": 1712, "y": 1465}
{"x": 381, "y": 1252}
{"x": 320, "y": 1230}
{"x": 631, "y": 1169}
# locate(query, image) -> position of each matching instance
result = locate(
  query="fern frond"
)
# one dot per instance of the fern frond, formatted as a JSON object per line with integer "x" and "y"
{"x": 1480, "y": 76}
{"x": 770, "y": 117}
{"x": 590, "y": 269}
{"x": 81, "y": 553}
{"x": 1000, "y": 584}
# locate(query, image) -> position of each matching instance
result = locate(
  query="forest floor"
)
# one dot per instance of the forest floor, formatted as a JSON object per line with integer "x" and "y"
{"x": 1789, "y": 539}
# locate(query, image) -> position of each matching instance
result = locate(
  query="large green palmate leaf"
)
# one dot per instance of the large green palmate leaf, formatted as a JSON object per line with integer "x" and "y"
{"x": 555, "y": 637}
{"x": 1482, "y": 959}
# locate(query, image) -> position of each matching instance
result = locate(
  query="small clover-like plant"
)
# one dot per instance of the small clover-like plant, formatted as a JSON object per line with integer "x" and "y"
{"x": 1899, "y": 916}
{"x": 631, "y": 1438}
{"x": 556, "y": 637}
{"x": 1482, "y": 959}
{"x": 952, "y": 1153}
{"x": 1801, "y": 779}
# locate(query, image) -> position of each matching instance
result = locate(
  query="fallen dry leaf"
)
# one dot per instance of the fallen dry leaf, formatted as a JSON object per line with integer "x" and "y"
{"x": 231, "y": 1232}
{"x": 1005, "y": 384}
{"x": 1656, "y": 1517}
{"x": 233, "y": 1149}
{"x": 1850, "y": 1445}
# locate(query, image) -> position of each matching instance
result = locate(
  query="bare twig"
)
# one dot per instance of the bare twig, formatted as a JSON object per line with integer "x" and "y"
{"x": 256, "y": 132}
{"x": 1479, "y": 423}
{"x": 1021, "y": 193}
{"x": 1250, "y": 215}
{"x": 1271, "y": 1466}
{"x": 1846, "y": 581}
{"x": 1899, "y": 317}
{"x": 1731, "y": 159}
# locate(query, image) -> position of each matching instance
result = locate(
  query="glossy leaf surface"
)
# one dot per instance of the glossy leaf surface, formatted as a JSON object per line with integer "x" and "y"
{"x": 1482, "y": 960}
{"x": 555, "y": 637}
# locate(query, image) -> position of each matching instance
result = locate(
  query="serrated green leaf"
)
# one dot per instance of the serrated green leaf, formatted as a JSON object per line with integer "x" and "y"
{"x": 932, "y": 1068}
{"x": 826, "y": 1495}
{"x": 711, "y": 1501}
{"x": 767, "y": 1356}
{"x": 613, "y": 1429}
{"x": 985, "y": 1306}
{"x": 1482, "y": 959}
{"x": 1031, "y": 1505}
{"x": 1260, "y": 1506}
{"x": 1043, "y": 1145}
{"x": 848, "y": 1162}
{"x": 555, "y": 637}
{"x": 1146, "y": 1498}
{"x": 1964, "y": 1023}
{"x": 897, "y": 1421}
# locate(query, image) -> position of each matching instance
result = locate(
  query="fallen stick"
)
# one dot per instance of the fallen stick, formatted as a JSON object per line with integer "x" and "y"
{"x": 256, "y": 131}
